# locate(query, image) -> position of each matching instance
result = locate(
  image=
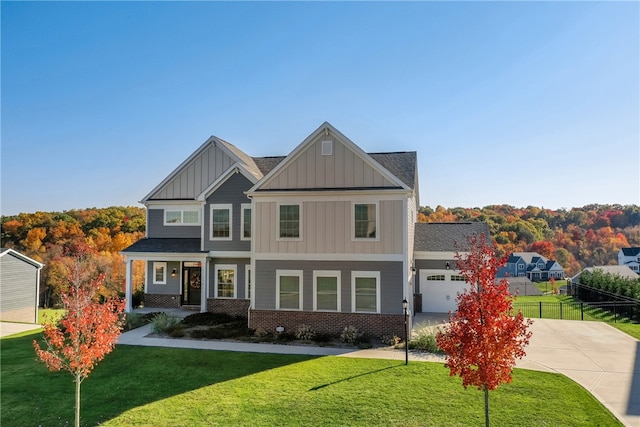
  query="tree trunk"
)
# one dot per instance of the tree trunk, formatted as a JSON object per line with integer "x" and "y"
{"x": 78, "y": 401}
{"x": 486, "y": 406}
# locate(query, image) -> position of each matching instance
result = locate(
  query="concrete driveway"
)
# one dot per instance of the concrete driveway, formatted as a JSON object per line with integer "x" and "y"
{"x": 597, "y": 356}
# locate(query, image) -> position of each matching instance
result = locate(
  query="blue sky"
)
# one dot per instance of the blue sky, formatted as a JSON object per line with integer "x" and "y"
{"x": 524, "y": 103}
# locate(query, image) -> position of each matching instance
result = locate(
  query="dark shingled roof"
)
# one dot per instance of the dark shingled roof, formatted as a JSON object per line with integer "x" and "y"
{"x": 402, "y": 165}
{"x": 190, "y": 246}
{"x": 444, "y": 236}
{"x": 265, "y": 164}
{"x": 630, "y": 251}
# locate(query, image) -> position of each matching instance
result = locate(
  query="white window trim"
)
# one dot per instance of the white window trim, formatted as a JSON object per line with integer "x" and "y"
{"x": 181, "y": 223}
{"x": 247, "y": 278}
{"x": 218, "y": 267}
{"x": 279, "y": 274}
{"x": 227, "y": 206}
{"x": 353, "y": 222}
{"x": 244, "y": 207}
{"x": 356, "y": 274}
{"x": 164, "y": 276}
{"x": 300, "y": 223}
{"x": 327, "y": 273}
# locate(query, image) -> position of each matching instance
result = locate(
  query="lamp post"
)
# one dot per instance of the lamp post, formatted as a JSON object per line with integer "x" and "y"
{"x": 406, "y": 333}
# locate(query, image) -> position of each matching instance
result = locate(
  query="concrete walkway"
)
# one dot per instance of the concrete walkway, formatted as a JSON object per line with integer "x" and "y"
{"x": 8, "y": 328}
{"x": 597, "y": 356}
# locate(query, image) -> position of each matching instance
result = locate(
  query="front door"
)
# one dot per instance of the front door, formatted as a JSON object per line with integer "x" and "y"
{"x": 191, "y": 283}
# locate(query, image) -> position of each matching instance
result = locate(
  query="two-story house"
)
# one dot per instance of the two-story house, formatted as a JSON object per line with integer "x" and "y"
{"x": 531, "y": 265}
{"x": 630, "y": 257}
{"x": 323, "y": 236}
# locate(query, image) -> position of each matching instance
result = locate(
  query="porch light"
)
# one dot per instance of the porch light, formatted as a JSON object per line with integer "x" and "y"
{"x": 174, "y": 272}
{"x": 448, "y": 265}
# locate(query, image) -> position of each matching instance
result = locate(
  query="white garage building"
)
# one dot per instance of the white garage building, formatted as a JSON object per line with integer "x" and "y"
{"x": 437, "y": 283}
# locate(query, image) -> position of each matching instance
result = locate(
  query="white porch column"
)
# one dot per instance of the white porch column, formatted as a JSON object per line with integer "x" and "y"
{"x": 204, "y": 288}
{"x": 128, "y": 287}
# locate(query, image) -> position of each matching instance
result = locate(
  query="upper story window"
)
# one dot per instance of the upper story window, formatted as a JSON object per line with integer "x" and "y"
{"x": 289, "y": 220}
{"x": 181, "y": 217}
{"x": 221, "y": 222}
{"x": 246, "y": 222}
{"x": 365, "y": 220}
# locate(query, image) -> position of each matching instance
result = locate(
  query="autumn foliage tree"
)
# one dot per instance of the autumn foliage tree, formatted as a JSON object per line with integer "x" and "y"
{"x": 88, "y": 331}
{"x": 484, "y": 337}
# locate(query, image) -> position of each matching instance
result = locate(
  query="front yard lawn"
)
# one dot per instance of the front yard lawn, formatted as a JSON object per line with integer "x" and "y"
{"x": 148, "y": 386}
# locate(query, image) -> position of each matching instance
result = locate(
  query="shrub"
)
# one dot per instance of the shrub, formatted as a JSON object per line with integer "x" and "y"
{"x": 175, "y": 331}
{"x": 261, "y": 333}
{"x": 162, "y": 322}
{"x": 137, "y": 299}
{"x": 425, "y": 339}
{"x": 390, "y": 339}
{"x": 209, "y": 319}
{"x": 134, "y": 320}
{"x": 351, "y": 335}
{"x": 305, "y": 333}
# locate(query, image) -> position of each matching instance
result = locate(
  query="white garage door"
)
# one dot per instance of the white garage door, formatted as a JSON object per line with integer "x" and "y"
{"x": 439, "y": 292}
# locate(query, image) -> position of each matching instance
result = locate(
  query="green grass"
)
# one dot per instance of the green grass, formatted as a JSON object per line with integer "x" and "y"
{"x": 146, "y": 386}
{"x": 49, "y": 314}
{"x": 632, "y": 329}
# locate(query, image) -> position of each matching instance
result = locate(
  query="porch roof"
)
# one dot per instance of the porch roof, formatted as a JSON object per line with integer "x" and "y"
{"x": 167, "y": 245}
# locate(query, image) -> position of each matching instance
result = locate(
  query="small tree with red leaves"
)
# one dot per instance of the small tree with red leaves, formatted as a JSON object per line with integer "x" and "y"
{"x": 484, "y": 337}
{"x": 88, "y": 331}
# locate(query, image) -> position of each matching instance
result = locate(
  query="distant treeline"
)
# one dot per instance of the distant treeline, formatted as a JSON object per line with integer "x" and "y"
{"x": 49, "y": 237}
{"x": 576, "y": 238}
{"x": 587, "y": 236}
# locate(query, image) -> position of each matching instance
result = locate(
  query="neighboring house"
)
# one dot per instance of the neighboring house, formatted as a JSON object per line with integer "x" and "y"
{"x": 437, "y": 281}
{"x": 630, "y": 257}
{"x": 531, "y": 265}
{"x": 19, "y": 287}
{"x": 616, "y": 270}
{"x": 322, "y": 237}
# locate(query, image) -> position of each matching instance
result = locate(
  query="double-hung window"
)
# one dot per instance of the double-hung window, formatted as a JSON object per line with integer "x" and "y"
{"x": 159, "y": 273}
{"x": 221, "y": 222}
{"x": 181, "y": 217}
{"x": 225, "y": 281}
{"x": 365, "y": 221}
{"x": 245, "y": 220}
{"x": 365, "y": 291}
{"x": 289, "y": 221}
{"x": 326, "y": 290}
{"x": 288, "y": 289}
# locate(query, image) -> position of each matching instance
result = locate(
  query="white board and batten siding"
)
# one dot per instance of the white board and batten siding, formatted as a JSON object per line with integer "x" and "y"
{"x": 327, "y": 229}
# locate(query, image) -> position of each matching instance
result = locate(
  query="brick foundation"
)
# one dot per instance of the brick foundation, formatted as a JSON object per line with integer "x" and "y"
{"x": 162, "y": 300}
{"x": 234, "y": 307}
{"x": 373, "y": 325}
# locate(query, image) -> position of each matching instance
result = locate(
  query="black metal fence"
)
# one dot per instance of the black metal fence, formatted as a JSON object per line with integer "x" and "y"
{"x": 606, "y": 311}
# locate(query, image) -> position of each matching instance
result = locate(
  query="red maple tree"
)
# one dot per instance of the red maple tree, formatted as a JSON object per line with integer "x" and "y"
{"x": 88, "y": 331}
{"x": 483, "y": 338}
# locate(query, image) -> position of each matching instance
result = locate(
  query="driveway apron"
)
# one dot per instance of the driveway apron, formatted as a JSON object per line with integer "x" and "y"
{"x": 597, "y": 356}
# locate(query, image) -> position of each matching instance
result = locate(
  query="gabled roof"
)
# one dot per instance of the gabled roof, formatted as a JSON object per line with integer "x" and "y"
{"x": 447, "y": 236}
{"x": 9, "y": 251}
{"x": 529, "y": 256}
{"x": 265, "y": 164}
{"x": 616, "y": 270}
{"x": 398, "y": 169}
{"x": 630, "y": 251}
{"x": 194, "y": 176}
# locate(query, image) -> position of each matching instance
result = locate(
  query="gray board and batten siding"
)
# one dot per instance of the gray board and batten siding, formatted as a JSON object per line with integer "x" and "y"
{"x": 19, "y": 288}
{"x": 230, "y": 192}
{"x": 391, "y": 285}
{"x": 156, "y": 227}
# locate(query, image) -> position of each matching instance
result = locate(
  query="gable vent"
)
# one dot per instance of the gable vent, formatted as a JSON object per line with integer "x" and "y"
{"x": 327, "y": 148}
